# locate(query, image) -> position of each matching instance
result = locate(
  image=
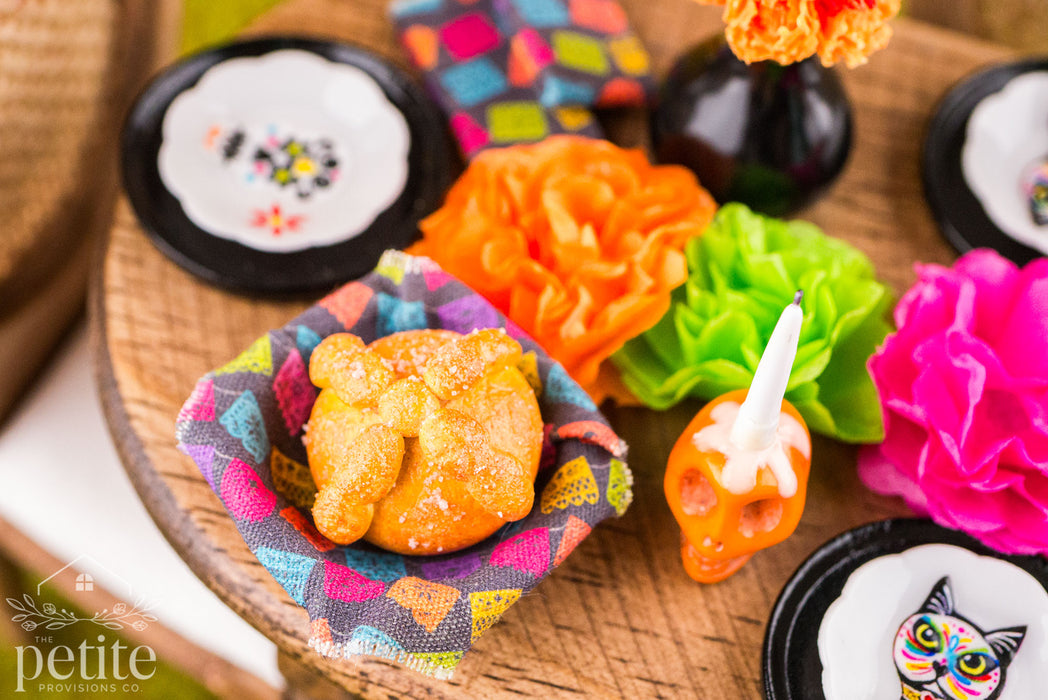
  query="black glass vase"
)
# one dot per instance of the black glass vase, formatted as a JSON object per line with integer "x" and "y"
{"x": 771, "y": 136}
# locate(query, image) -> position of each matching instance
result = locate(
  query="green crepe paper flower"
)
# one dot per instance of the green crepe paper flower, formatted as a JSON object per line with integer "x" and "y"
{"x": 743, "y": 271}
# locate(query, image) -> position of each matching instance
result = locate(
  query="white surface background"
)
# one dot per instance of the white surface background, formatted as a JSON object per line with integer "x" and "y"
{"x": 63, "y": 486}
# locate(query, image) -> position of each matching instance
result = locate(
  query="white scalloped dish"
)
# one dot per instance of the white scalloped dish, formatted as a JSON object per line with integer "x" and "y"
{"x": 284, "y": 151}
{"x": 1007, "y": 136}
{"x": 855, "y": 636}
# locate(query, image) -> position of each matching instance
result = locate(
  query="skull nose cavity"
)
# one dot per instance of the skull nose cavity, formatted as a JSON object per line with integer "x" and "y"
{"x": 697, "y": 496}
{"x": 760, "y": 516}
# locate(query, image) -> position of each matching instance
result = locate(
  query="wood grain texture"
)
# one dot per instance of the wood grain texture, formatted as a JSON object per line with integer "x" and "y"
{"x": 1020, "y": 24}
{"x": 619, "y": 618}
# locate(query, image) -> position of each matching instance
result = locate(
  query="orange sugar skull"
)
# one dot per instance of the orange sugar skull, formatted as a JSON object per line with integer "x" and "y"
{"x": 731, "y": 502}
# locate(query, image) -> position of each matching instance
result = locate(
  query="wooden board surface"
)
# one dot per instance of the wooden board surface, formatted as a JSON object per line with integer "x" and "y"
{"x": 1020, "y": 24}
{"x": 619, "y": 618}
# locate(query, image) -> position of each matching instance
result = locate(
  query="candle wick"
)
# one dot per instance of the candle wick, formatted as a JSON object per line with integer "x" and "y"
{"x": 798, "y": 296}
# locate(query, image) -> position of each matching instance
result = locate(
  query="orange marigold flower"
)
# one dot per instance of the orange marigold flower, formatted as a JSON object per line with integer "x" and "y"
{"x": 855, "y": 32}
{"x": 786, "y": 31}
{"x": 576, "y": 240}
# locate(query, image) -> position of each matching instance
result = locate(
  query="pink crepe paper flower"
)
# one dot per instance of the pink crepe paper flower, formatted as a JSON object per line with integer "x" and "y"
{"x": 964, "y": 391}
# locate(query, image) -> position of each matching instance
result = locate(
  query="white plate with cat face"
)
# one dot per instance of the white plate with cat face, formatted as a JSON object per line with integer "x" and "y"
{"x": 960, "y": 626}
{"x": 907, "y": 609}
{"x": 283, "y": 164}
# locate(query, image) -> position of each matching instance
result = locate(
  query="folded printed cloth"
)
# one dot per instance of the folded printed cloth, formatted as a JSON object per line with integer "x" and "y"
{"x": 243, "y": 426}
{"x": 516, "y": 71}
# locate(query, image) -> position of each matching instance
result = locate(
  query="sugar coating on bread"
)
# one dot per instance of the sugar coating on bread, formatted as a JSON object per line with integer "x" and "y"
{"x": 422, "y": 442}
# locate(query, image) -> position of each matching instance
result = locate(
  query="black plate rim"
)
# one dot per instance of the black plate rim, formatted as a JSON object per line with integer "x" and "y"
{"x": 237, "y": 267}
{"x": 958, "y": 212}
{"x": 849, "y": 550}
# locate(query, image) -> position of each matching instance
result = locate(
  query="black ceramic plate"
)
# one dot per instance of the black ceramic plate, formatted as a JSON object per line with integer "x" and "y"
{"x": 227, "y": 263}
{"x": 961, "y": 217}
{"x": 791, "y": 666}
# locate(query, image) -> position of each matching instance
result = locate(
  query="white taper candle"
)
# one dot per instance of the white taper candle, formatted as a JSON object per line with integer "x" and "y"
{"x": 758, "y": 417}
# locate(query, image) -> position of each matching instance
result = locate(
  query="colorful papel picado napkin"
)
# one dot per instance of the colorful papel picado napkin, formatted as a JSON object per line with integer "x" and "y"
{"x": 516, "y": 71}
{"x": 243, "y": 425}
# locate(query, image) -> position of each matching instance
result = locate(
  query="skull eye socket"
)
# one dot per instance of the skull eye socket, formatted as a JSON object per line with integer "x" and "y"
{"x": 697, "y": 496}
{"x": 760, "y": 516}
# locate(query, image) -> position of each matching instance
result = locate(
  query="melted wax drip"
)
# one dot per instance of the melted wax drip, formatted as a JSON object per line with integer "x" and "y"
{"x": 739, "y": 475}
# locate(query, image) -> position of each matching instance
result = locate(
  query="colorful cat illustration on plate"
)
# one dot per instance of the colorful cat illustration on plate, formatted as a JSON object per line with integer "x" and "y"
{"x": 941, "y": 655}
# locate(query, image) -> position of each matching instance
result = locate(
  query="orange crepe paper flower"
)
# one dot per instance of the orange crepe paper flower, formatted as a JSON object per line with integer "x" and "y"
{"x": 576, "y": 240}
{"x": 786, "y": 31}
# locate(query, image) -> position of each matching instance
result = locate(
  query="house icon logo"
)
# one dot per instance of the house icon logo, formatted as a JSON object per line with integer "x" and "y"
{"x": 85, "y": 582}
{"x": 103, "y": 666}
{"x": 33, "y": 612}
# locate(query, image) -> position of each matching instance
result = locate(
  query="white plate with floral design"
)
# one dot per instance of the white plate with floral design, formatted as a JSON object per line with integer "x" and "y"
{"x": 986, "y": 161}
{"x": 283, "y": 165}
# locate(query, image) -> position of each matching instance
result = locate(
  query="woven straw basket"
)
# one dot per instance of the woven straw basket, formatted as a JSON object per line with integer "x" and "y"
{"x": 66, "y": 70}
{"x": 55, "y": 61}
